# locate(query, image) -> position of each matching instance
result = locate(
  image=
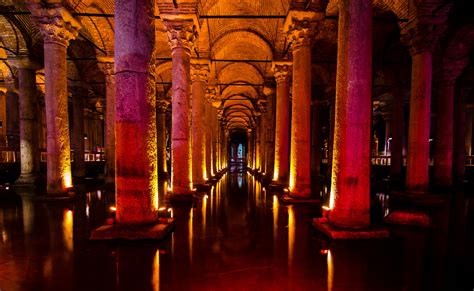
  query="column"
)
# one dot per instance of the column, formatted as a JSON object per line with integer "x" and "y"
{"x": 396, "y": 144}
{"x": 444, "y": 135}
{"x": 215, "y": 136}
{"x": 350, "y": 184}
{"x": 12, "y": 119}
{"x": 181, "y": 35}
{"x": 162, "y": 106}
{"x": 258, "y": 137}
{"x": 332, "y": 123}
{"x": 316, "y": 138}
{"x": 262, "y": 105}
{"x": 420, "y": 41}
{"x": 270, "y": 133}
{"x": 461, "y": 124}
{"x": 199, "y": 75}
{"x": 136, "y": 181}
{"x": 58, "y": 28}
{"x": 210, "y": 97}
{"x": 78, "y": 95}
{"x": 28, "y": 112}
{"x": 106, "y": 64}
{"x": 468, "y": 142}
{"x": 301, "y": 29}
{"x": 387, "y": 117}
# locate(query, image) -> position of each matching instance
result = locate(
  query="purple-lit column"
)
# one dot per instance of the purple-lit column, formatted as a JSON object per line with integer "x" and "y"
{"x": 350, "y": 184}
{"x": 282, "y": 72}
{"x": 420, "y": 41}
{"x": 181, "y": 35}
{"x": 301, "y": 29}
{"x": 58, "y": 28}
{"x": 199, "y": 76}
{"x": 444, "y": 135}
{"x": 107, "y": 67}
{"x": 29, "y": 150}
{"x": 469, "y": 127}
{"x": 136, "y": 182}
{"x": 162, "y": 108}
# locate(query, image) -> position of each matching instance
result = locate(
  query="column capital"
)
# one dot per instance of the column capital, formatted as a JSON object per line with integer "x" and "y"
{"x": 55, "y": 23}
{"x": 24, "y": 62}
{"x": 282, "y": 70}
{"x": 302, "y": 26}
{"x": 199, "y": 70}
{"x": 162, "y": 105}
{"x": 450, "y": 70}
{"x": 211, "y": 94}
{"x": 11, "y": 84}
{"x": 262, "y": 106}
{"x": 181, "y": 32}
{"x": 106, "y": 65}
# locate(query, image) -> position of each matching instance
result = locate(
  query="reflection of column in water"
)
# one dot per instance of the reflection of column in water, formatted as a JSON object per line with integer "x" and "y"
{"x": 204, "y": 212}
{"x": 291, "y": 235}
{"x": 275, "y": 217}
{"x": 190, "y": 235}
{"x": 67, "y": 229}
{"x": 330, "y": 271}
{"x": 155, "y": 279}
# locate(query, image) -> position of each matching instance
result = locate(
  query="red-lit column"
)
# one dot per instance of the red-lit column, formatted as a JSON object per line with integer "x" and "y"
{"x": 210, "y": 97}
{"x": 396, "y": 144}
{"x": 181, "y": 35}
{"x": 444, "y": 136}
{"x": 199, "y": 75}
{"x": 350, "y": 184}
{"x": 107, "y": 67}
{"x": 270, "y": 132}
{"x": 136, "y": 179}
{"x": 29, "y": 150}
{"x": 301, "y": 29}
{"x": 469, "y": 122}
{"x": 79, "y": 93}
{"x": 162, "y": 108}
{"x": 420, "y": 41}
{"x": 58, "y": 27}
{"x": 282, "y": 72}
{"x": 460, "y": 127}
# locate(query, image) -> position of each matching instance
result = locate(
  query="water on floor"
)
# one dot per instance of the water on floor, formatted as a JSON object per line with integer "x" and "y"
{"x": 238, "y": 236}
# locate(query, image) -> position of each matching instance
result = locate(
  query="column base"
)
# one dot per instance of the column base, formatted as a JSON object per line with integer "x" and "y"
{"x": 277, "y": 186}
{"x": 409, "y": 217}
{"x": 182, "y": 198}
{"x": 287, "y": 198}
{"x": 202, "y": 187}
{"x": 335, "y": 232}
{"x": 154, "y": 231}
{"x": 418, "y": 198}
{"x": 27, "y": 180}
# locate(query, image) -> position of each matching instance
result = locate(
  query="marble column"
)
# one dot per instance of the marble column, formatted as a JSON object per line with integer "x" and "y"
{"x": 79, "y": 93}
{"x": 270, "y": 133}
{"x": 58, "y": 28}
{"x": 282, "y": 72}
{"x": 349, "y": 201}
{"x": 420, "y": 42}
{"x": 162, "y": 106}
{"x": 301, "y": 29}
{"x": 12, "y": 112}
{"x": 181, "y": 35}
{"x": 136, "y": 181}
{"x": 210, "y": 97}
{"x": 262, "y": 105}
{"x": 107, "y": 66}
{"x": 444, "y": 134}
{"x": 28, "y": 112}
{"x": 215, "y": 136}
{"x": 469, "y": 122}
{"x": 258, "y": 144}
{"x": 199, "y": 76}
{"x": 396, "y": 144}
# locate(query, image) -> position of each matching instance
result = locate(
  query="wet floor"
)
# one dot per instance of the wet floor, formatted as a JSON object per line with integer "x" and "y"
{"x": 237, "y": 237}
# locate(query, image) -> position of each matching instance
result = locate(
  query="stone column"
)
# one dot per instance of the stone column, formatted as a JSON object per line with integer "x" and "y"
{"x": 210, "y": 97}
{"x": 78, "y": 95}
{"x": 396, "y": 145}
{"x": 258, "y": 137}
{"x": 282, "y": 72}
{"x": 181, "y": 35}
{"x": 107, "y": 66}
{"x": 387, "y": 117}
{"x": 468, "y": 142}
{"x": 420, "y": 41}
{"x": 29, "y": 144}
{"x": 460, "y": 127}
{"x": 215, "y": 136}
{"x": 199, "y": 75}
{"x": 444, "y": 135}
{"x": 12, "y": 119}
{"x": 332, "y": 123}
{"x": 301, "y": 29}
{"x": 136, "y": 174}
{"x": 262, "y": 105}
{"x": 316, "y": 138}
{"x": 350, "y": 184}
{"x": 162, "y": 106}
{"x": 270, "y": 133}
{"x": 58, "y": 28}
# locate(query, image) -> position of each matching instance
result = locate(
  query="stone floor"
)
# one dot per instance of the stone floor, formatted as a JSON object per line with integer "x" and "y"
{"x": 237, "y": 237}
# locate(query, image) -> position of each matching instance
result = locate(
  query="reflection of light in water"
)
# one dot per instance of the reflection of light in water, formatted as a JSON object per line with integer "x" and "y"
{"x": 4, "y": 236}
{"x": 155, "y": 279}
{"x": 67, "y": 229}
{"x": 240, "y": 181}
{"x": 204, "y": 208}
{"x": 190, "y": 235}
{"x": 99, "y": 194}
{"x": 275, "y": 216}
{"x": 291, "y": 233}
{"x": 87, "y": 211}
{"x": 330, "y": 271}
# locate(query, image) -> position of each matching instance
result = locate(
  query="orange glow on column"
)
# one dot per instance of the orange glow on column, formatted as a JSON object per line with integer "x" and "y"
{"x": 190, "y": 235}
{"x": 155, "y": 280}
{"x": 204, "y": 212}
{"x": 67, "y": 226}
{"x": 291, "y": 234}
{"x": 275, "y": 216}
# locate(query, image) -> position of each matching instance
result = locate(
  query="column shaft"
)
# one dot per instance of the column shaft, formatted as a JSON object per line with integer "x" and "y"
{"x": 161, "y": 136}
{"x": 110, "y": 105}
{"x": 469, "y": 122}
{"x": 79, "y": 166}
{"x": 13, "y": 120}
{"x": 208, "y": 130}
{"x": 282, "y": 131}
{"x": 135, "y": 113}
{"x": 459, "y": 158}
{"x": 350, "y": 184}
{"x": 396, "y": 145}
